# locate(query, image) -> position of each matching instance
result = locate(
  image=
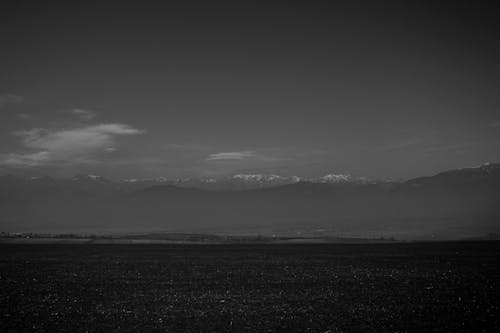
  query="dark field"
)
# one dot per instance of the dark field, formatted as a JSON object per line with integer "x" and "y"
{"x": 254, "y": 288}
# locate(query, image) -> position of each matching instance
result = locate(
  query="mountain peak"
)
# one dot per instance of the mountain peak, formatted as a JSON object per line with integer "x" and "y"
{"x": 83, "y": 177}
{"x": 335, "y": 178}
{"x": 257, "y": 177}
{"x": 145, "y": 180}
{"x": 483, "y": 169}
{"x": 488, "y": 167}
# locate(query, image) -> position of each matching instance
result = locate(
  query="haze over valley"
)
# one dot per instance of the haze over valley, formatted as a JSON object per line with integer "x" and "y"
{"x": 454, "y": 204}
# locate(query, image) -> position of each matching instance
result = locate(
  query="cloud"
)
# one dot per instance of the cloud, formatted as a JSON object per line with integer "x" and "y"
{"x": 440, "y": 148}
{"x": 85, "y": 115}
{"x": 404, "y": 143}
{"x": 233, "y": 161}
{"x": 6, "y": 99}
{"x": 28, "y": 160}
{"x": 234, "y": 155}
{"x": 26, "y": 116}
{"x": 76, "y": 145}
{"x": 186, "y": 146}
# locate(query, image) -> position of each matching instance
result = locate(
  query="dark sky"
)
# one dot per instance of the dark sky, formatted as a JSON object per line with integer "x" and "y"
{"x": 202, "y": 88}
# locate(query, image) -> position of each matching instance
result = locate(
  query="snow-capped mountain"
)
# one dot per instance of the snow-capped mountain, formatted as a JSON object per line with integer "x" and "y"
{"x": 257, "y": 177}
{"x": 240, "y": 181}
{"x": 486, "y": 173}
{"x": 237, "y": 181}
{"x": 143, "y": 180}
{"x": 91, "y": 178}
{"x": 254, "y": 181}
{"x": 334, "y": 178}
{"x": 447, "y": 201}
{"x": 346, "y": 179}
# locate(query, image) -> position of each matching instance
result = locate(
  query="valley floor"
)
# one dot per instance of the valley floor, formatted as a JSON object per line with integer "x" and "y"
{"x": 453, "y": 286}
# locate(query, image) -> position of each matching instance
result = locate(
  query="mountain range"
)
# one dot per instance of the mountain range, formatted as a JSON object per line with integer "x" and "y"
{"x": 243, "y": 181}
{"x": 449, "y": 205}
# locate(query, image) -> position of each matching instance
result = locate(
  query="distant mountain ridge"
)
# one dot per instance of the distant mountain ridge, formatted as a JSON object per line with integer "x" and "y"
{"x": 486, "y": 172}
{"x": 231, "y": 182}
{"x": 452, "y": 204}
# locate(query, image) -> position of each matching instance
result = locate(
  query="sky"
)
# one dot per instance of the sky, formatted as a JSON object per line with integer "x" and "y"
{"x": 203, "y": 88}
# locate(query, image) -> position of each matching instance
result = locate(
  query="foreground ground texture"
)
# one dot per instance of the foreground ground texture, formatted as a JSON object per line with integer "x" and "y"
{"x": 253, "y": 288}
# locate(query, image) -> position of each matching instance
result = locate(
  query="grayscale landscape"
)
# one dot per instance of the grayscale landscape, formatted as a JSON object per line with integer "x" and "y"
{"x": 258, "y": 166}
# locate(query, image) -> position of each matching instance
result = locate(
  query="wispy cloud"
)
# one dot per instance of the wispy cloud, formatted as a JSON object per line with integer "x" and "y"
{"x": 230, "y": 162}
{"x": 193, "y": 147}
{"x": 26, "y": 160}
{"x": 66, "y": 145}
{"x": 233, "y": 155}
{"x": 404, "y": 143}
{"x": 82, "y": 114}
{"x": 7, "y": 98}
{"x": 26, "y": 116}
{"x": 411, "y": 139}
{"x": 453, "y": 147}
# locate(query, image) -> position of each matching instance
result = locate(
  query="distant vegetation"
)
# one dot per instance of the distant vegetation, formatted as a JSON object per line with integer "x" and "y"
{"x": 180, "y": 238}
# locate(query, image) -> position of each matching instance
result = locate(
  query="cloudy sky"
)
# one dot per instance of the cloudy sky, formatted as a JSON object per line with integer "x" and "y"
{"x": 202, "y": 88}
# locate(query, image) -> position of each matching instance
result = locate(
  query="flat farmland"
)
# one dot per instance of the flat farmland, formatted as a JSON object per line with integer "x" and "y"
{"x": 451, "y": 286}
